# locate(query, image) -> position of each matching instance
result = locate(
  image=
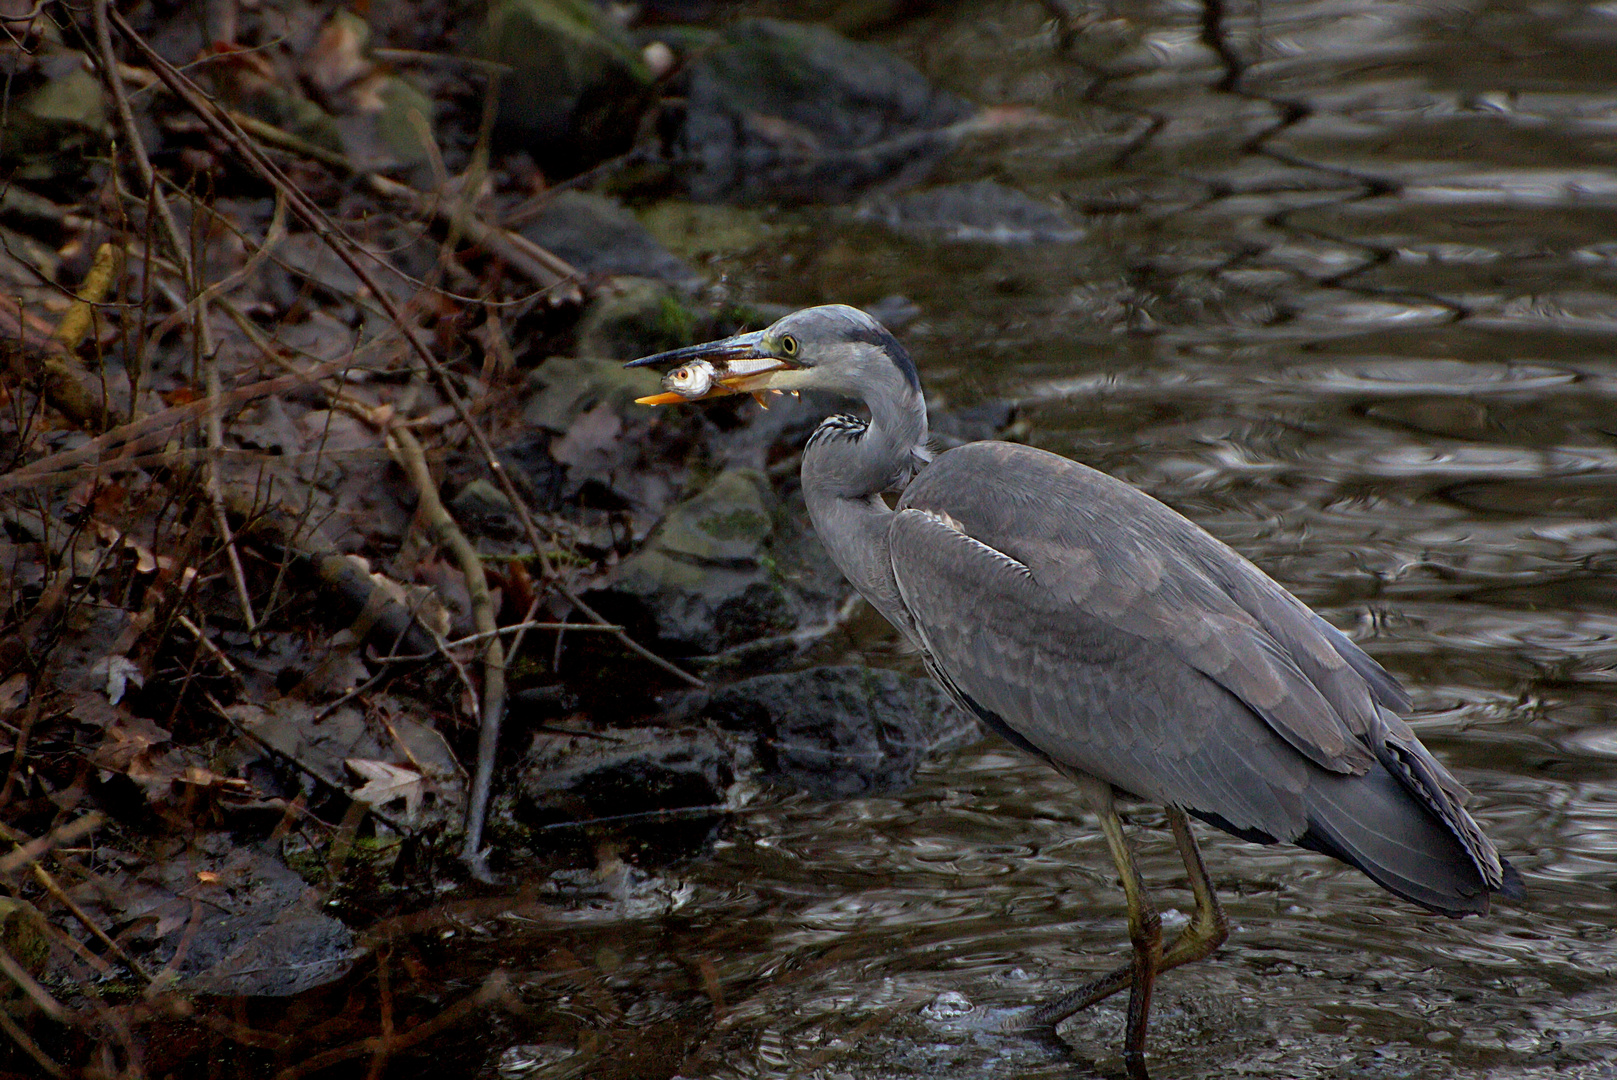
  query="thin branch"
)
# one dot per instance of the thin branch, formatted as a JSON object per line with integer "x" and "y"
{"x": 58, "y": 837}
{"x": 213, "y": 430}
{"x": 61, "y": 896}
{"x": 448, "y": 534}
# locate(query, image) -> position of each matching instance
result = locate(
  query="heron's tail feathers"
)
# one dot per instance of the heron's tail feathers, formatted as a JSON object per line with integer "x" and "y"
{"x": 1404, "y": 823}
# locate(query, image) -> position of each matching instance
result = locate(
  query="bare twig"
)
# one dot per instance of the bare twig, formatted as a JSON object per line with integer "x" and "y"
{"x": 526, "y": 625}
{"x": 492, "y": 709}
{"x": 58, "y": 837}
{"x": 61, "y": 896}
{"x": 29, "y": 1046}
{"x": 220, "y": 124}
{"x": 521, "y": 254}
{"x": 359, "y": 261}
{"x": 496, "y": 986}
{"x": 153, "y": 430}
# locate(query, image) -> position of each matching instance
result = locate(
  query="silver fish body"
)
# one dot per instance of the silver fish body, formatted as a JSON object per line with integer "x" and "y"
{"x": 692, "y": 380}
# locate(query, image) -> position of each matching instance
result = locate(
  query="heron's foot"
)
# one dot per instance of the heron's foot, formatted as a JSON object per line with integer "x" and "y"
{"x": 1050, "y": 1014}
{"x": 1208, "y": 930}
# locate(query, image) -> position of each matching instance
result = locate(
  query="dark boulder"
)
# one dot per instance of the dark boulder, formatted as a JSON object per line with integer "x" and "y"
{"x": 836, "y": 732}
{"x": 704, "y": 580}
{"x": 655, "y": 794}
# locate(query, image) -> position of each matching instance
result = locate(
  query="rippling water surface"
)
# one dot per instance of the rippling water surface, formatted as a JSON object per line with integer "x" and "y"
{"x": 1355, "y": 312}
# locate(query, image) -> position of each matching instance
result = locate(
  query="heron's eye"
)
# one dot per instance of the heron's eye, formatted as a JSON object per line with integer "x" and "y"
{"x": 788, "y": 345}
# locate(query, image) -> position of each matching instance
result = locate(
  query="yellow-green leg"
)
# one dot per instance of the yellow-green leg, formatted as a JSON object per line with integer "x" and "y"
{"x": 1145, "y": 932}
{"x": 1206, "y": 931}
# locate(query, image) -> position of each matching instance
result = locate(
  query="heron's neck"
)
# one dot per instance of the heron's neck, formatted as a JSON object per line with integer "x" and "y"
{"x": 860, "y": 459}
{"x": 846, "y": 467}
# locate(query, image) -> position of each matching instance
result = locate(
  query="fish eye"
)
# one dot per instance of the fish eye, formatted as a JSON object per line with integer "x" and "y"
{"x": 788, "y": 345}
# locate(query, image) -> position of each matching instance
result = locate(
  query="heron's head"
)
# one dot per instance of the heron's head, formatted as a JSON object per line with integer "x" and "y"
{"x": 834, "y": 347}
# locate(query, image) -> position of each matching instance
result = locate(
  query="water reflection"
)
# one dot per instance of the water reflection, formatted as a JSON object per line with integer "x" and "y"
{"x": 1371, "y": 346}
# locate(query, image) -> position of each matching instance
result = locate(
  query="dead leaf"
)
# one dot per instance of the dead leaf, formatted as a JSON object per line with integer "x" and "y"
{"x": 386, "y": 783}
{"x": 198, "y": 776}
{"x": 119, "y": 672}
{"x": 129, "y": 745}
{"x": 13, "y": 692}
{"x": 146, "y": 561}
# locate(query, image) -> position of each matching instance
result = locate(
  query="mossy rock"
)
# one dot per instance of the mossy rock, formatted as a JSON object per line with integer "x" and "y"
{"x": 577, "y": 88}
{"x": 637, "y": 318}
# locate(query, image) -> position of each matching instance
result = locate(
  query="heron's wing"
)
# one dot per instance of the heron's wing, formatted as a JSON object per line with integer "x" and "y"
{"x": 1099, "y": 554}
{"x": 1065, "y": 683}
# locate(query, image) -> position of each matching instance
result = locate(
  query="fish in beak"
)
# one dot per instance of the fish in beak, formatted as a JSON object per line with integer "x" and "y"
{"x": 734, "y": 365}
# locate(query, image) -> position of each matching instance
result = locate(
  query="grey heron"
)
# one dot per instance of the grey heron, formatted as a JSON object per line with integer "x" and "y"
{"x": 1094, "y": 627}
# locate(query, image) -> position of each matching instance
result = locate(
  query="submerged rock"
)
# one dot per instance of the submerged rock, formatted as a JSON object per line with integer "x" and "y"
{"x": 793, "y": 112}
{"x": 578, "y": 86}
{"x": 836, "y": 732}
{"x": 983, "y": 211}
{"x": 228, "y": 919}
{"x": 654, "y": 792}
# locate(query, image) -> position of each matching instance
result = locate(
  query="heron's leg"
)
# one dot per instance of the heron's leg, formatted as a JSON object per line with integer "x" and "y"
{"x": 1206, "y": 931}
{"x": 1145, "y": 933}
{"x": 1208, "y": 927}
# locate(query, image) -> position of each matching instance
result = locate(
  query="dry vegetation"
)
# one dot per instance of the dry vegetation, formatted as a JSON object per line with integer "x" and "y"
{"x": 241, "y": 628}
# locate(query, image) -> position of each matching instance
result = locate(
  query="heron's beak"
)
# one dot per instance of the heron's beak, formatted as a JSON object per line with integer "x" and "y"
{"x": 745, "y": 363}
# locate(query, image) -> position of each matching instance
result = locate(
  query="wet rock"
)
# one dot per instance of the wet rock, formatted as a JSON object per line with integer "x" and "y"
{"x": 25, "y": 936}
{"x": 391, "y": 129}
{"x": 836, "y": 732}
{"x": 699, "y": 231}
{"x": 578, "y": 88}
{"x": 600, "y": 236}
{"x": 702, "y": 582}
{"x": 535, "y": 471}
{"x": 646, "y": 783}
{"x": 568, "y": 387}
{"x": 982, "y": 211}
{"x": 230, "y": 919}
{"x": 482, "y": 507}
{"x": 792, "y": 112}
{"x": 986, "y": 420}
{"x": 769, "y": 436}
{"x": 863, "y": 16}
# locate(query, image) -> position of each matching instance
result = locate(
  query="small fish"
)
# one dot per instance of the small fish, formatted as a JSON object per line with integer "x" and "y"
{"x": 692, "y": 380}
